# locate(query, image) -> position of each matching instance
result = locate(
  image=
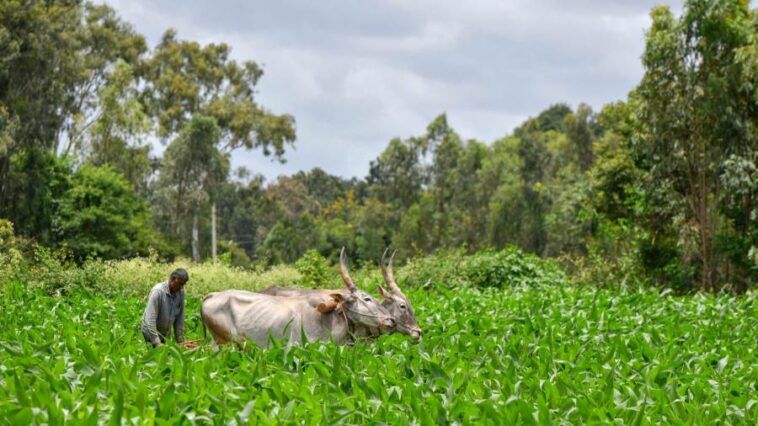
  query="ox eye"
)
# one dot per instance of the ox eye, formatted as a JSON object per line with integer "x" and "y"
{"x": 366, "y": 299}
{"x": 402, "y": 306}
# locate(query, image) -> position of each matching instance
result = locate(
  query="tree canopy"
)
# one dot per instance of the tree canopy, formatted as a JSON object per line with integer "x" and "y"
{"x": 658, "y": 188}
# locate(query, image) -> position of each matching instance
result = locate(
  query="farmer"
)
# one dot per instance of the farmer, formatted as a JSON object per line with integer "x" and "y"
{"x": 165, "y": 306}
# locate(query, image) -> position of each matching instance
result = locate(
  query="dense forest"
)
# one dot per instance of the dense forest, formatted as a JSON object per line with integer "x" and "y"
{"x": 658, "y": 189}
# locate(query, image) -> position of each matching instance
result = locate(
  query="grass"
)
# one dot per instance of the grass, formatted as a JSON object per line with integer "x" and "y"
{"x": 534, "y": 355}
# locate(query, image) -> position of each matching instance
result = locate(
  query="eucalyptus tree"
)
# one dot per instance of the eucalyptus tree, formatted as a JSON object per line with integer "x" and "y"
{"x": 699, "y": 105}
{"x": 396, "y": 176}
{"x": 186, "y": 79}
{"x": 118, "y": 135}
{"x": 581, "y": 128}
{"x": 192, "y": 165}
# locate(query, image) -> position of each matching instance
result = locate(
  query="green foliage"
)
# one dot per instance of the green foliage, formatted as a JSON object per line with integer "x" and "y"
{"x": 613, "y": 258}
{"x": 233, "y": 255}
{"x": 286, "y": 241}
{"x": 697, "y": 111}
{"x": 36, "y": 178}
{"x": 553, "y": 118}
{"x": 416, "y": 233}
{"x": 659, "y": 188}
{"x": 55, "y": 56}
{"x": 193, "y": 167}
{"x": 396, "y": 175}
{"x": 49, "y": 271}
{"x": 12, "y": 251}
{"x": 116, "y": 137}
{"x": 510, "y": 267}
{"x": 314, "y": 270}
{"x": 518, "y": 355}
{"x": 101, "y": 216}
{"x": 185, "y": 79}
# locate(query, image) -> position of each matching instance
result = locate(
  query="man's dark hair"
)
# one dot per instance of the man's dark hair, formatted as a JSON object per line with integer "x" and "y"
{"x": 181, "y": 275}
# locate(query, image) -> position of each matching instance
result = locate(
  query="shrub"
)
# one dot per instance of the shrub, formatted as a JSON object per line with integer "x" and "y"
{"x": 11, "y": 252}
{"x": 101, "y": 216}
{"x": 488, "y": 268}
{"x": 137, "y": 276}
{"x": 314, "y": 270}
{"x": 511, "y": 267}
{"x": 440, "y": 269}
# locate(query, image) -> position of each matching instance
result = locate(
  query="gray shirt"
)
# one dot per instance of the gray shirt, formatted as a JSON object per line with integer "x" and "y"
{"x": 163, "y": 309}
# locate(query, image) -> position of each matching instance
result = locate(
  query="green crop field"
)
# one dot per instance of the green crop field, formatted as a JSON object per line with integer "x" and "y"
{"x": 495, "y": 356}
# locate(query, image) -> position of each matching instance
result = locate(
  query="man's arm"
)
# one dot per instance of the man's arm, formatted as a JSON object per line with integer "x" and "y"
{"x": 179, "y": 324}
{"x": 151, "y": 318}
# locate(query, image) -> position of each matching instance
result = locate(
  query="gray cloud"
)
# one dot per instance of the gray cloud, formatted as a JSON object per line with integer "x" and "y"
{"x": 356, "y": 74}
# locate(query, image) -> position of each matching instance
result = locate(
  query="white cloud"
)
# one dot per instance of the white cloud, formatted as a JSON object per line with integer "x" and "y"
{"x": 356, "y": 74}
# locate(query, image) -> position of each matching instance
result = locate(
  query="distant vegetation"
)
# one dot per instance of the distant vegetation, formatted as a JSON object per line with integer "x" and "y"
{"x": 659, "y": 188}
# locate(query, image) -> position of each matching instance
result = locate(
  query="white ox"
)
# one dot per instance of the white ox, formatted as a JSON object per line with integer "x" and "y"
{"x": 396, "y": 303}
{"x": 237, "y": 316}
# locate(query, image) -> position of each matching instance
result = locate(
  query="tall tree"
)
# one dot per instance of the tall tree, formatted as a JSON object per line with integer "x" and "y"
{"x": 396, "y": 176}
{"x": 500, "y": 187}
{"x": 192, "y": 167}
{"x": 117, "y": 135}
{"x": 54, "y": 57}
{"x": 581, "y": 130}
{"x": 105, "y": 42}
{"x": 699, "y": 108}
{"x": 186, "y": 79}
{"x": 535, "y": 165}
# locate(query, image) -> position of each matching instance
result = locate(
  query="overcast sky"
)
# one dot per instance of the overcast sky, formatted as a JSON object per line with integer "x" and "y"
{"x": 355, "y": 74}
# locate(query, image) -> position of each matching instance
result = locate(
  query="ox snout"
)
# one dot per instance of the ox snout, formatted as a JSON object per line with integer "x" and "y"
{"x": 416, "y": 333}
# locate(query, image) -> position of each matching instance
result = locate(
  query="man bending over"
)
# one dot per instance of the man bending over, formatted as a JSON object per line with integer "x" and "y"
{"x": 165, "y": 306}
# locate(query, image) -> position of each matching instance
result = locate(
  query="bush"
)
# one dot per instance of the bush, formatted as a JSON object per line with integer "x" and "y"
{"x": 511, "y": 267}
{"x": 314, "y": 270}
{"x": 137, "y": 276}
{"x": 232, "y": 254}
{"x": 613, "y": 257}
{"x": 11, "y": 252}
{"x": 440, "y": 269}
{"x": 100, "y": 215}
{"x": 52, "y": 271}
{"x": 506, "y": 268}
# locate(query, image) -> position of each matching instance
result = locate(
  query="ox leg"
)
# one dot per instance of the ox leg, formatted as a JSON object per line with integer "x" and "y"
{"x": 214, "y": 345}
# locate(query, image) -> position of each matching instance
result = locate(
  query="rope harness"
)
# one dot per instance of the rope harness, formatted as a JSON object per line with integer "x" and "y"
{"x": 361, "y": 314}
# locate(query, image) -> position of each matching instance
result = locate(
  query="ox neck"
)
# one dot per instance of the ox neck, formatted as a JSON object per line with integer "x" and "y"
{"x": 342, "y": 328}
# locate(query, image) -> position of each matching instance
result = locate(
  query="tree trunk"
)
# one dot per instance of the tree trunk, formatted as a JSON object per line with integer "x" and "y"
{"x": 706, "y": 283}
{"x": 195, "y": 239}
{"x": 213, "y": 230}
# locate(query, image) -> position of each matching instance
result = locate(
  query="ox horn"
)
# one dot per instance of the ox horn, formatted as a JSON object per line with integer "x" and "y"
{"x": 387, "y": 273}
{"x": 343, "y": 271}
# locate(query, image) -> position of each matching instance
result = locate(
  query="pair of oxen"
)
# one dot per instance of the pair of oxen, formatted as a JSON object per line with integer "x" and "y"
{"x": 297, "y": 314}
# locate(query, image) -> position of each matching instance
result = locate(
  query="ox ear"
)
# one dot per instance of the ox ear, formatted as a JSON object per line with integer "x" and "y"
{"x": 382, "y": 291}
{"x": 329, "y": 305}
